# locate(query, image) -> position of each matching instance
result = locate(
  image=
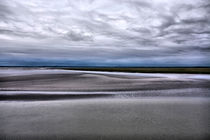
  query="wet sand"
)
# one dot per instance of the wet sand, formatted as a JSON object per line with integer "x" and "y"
{"x": 46, "y": 104}
{"x": 143, "y": 118}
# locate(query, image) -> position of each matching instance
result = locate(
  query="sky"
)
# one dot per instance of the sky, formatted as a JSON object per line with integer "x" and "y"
{"x": 137, "y": 33}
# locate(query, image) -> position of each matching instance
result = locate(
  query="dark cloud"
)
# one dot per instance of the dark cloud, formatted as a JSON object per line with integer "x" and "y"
{"x": 4, "y": 11}
{"x": 74, "y": 36}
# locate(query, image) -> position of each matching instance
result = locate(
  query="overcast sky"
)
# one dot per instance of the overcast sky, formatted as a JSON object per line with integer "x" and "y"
{"x": 105, "y": 32}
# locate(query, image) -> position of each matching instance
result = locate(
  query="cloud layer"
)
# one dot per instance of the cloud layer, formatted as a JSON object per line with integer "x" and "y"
{"x": 105, "y": 32}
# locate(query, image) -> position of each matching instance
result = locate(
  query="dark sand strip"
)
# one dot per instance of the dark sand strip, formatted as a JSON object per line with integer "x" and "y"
{"x": 35, "y": 97}
{"x": 52, "y": 95}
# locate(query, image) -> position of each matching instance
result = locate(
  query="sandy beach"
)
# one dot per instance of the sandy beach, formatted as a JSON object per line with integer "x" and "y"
{"x": 63, "y": 104}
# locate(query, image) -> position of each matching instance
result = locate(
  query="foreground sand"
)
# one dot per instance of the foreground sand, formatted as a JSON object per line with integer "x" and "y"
{"x": 60, "y": 104}
{"x": 142, "y": 118}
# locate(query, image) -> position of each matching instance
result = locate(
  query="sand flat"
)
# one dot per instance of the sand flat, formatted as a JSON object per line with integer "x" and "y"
{"x": 82, "y": 81}
{"x": 148, "y": 117}
{"x": 62, "y": 104}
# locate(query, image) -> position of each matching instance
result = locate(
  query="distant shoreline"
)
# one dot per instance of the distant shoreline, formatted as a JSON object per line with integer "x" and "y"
{"x": 187, "y": 70}
{"x": 149, "y": 70}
